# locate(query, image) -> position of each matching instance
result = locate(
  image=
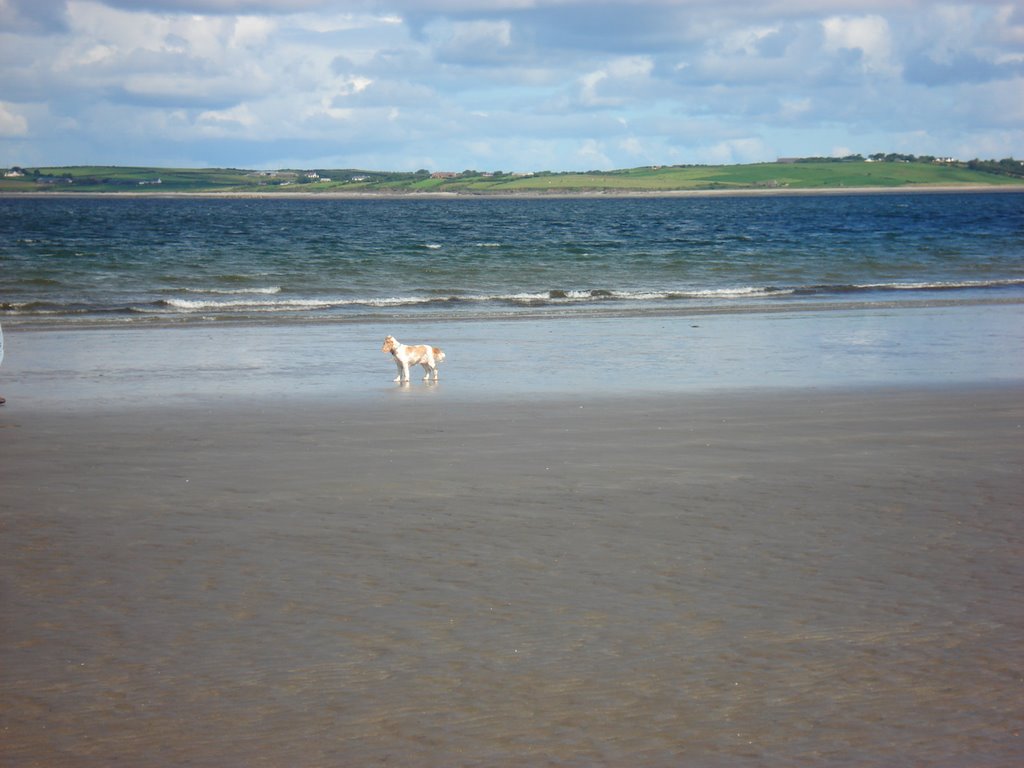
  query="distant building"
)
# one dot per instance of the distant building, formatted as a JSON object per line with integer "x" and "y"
{"x": 443, "y": 175}
{"x": 13, "y": 173}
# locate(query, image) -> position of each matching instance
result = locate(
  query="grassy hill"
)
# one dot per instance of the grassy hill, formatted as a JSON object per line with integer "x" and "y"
{"x": 820, "y": 174}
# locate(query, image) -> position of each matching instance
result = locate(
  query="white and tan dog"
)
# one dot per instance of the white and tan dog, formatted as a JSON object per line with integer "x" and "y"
{"x": 413, "y": 354}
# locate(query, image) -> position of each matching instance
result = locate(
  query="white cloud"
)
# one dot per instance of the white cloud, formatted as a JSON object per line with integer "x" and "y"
{"x": 239, "y": 116}
{"x": 612, "y": 84}
{"x": 747, "y": 41}
{"x": 471, "y": 34}
{"x": 12, "y": 123}
{"x": 869, "y": 35}
{"x": 565, "y": 84}
{"x": 251, "y": 32}
{"x": 353, "y": 84}
{"x": 741, "y": 150}
{"x": 97, "y": 54}
{"x": 794, "y": 108}
{"x": 590, "y": 154}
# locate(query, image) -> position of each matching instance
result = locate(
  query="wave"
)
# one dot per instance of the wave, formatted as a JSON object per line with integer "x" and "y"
{"x": 559, "y": 296}
{"x": 200, "y": 305}
{"x": 953, "y": 285}
{"x": 50, "y": 308}
{"x": 268, "y": 301}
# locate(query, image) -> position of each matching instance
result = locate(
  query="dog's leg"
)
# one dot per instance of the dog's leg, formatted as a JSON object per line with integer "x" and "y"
{"x": 405, "y": 372}
{"x": 427, "y": 368}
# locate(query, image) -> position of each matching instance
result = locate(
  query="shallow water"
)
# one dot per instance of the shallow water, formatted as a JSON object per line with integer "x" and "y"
{"x": 516, "y": 359}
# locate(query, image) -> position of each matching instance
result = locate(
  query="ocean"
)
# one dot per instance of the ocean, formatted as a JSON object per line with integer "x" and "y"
{"x": 134, "y": 261}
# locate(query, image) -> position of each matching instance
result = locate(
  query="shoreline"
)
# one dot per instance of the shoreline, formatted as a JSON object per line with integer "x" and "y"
{"x": 533, "y": 195}
{"x": 208, "y": 320}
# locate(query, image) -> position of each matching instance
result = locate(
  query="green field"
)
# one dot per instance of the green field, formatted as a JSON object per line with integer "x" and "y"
{"x": 802, "y": 175}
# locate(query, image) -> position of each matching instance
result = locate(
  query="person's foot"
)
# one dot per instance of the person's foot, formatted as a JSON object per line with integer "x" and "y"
{"x": 2, "y": 401}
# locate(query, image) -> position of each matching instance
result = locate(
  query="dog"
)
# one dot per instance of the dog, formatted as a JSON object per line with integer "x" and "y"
{"x": 413, "y": 354}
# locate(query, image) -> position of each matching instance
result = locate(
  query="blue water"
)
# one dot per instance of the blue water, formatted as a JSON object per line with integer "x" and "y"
{"x": 145, "y": 260}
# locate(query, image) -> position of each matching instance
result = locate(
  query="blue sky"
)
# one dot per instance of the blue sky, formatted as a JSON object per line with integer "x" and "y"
{"x": 512, "y": 85}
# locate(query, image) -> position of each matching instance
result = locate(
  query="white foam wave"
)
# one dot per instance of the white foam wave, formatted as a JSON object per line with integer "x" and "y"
{"x": 941, "y": 285}
{"x": 521, "y": 297}
{"x": 388, "y": 301}
{"x": 289, "y": 305}
{"x": 602, "y": 295}
{"x": 726, "y": 293}
{"x": 266, "y": 301}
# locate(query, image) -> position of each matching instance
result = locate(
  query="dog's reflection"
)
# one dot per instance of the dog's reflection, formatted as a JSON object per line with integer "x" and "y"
{"x": 429, "y": 387}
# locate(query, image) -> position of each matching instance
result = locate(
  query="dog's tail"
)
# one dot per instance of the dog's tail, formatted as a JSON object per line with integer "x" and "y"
{"x": 438, "y": 354}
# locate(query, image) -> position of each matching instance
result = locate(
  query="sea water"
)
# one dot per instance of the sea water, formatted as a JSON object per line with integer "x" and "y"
{"x": 137, "y": 261}
{"x": 119, "y": 301}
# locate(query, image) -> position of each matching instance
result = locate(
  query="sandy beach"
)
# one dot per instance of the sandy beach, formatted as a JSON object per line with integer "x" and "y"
{"x": 816, "y": 576}
{"x": 795, "y": 540}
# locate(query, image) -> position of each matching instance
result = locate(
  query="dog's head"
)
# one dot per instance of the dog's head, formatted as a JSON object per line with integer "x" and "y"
{"x": 390, "y": 343}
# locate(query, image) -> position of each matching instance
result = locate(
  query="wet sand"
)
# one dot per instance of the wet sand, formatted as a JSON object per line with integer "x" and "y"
{"x": 754, "y": 578}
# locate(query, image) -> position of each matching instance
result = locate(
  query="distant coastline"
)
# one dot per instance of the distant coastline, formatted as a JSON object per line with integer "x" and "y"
{"x": 528, "y": 195}
{"x": 789, "y": 177}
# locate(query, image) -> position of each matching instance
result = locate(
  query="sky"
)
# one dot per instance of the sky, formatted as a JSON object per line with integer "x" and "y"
{"x": 505, "y": 85}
